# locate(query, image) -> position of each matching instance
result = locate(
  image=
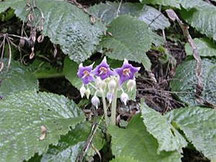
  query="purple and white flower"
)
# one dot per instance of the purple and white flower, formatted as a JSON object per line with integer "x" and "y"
{"x": 85, "y": 73}
{"x": 103, "y": 70}
{"x": 126, "y": 72}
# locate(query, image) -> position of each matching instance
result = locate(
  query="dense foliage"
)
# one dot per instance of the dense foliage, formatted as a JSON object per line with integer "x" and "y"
{"x": 167, "y": 114}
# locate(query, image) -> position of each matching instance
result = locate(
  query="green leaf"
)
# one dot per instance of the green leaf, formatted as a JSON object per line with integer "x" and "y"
{"x": 22, "y": 116}
{"x": 124, "y": 158}
{"x": 42, "y": 69}
{"x": 111, "y": 10}
{"x": 184, "y": 82}
{"x": 154, "y": 18}
{"x": 71, "y": 145}
{"x": 193, "y": 4}
{"x": 205, "y": 47}
{"x": 16, "y": 79}
{"x": 126, "y": 42}
{"x": 66, "y": 25}
{"x": 172, "y": 3}
{"x": 199, "y": 126}
{"x": 135, "y": 142}
{"x": 71, "y": 68}
{"x": 202, "y": 19}
{"x": 167, "y": 136}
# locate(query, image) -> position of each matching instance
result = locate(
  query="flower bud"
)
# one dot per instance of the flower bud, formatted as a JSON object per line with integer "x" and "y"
{"x": 82, "y": 91}
{"x": 124, "y": 98}
{"x": 112, "y": 85}
{"x": 87, "y": 93}
{"x": 131, "y": 84}
{"x": 100, "y": 83}
{"x": 109, "y": 97}
{"x": 95, "y": 101}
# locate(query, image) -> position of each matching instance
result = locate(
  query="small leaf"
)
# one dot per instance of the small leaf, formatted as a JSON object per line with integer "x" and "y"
{"x": 168, "y": 137}
{"x": 199, "y": 126}
{"x": 135, "y": 142}
{"x": 205, "y": 47}
{"x": 22, "y": 117}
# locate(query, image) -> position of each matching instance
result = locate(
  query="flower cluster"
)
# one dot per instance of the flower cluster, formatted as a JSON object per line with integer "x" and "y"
{"x": 107, "y": 80}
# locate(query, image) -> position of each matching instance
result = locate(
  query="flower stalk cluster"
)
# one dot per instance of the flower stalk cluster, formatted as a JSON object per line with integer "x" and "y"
{"x": 107, "y": 83}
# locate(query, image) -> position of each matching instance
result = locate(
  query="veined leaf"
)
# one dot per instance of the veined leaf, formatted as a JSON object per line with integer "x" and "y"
{"x": 199, "y": 126}
{"x": 30, "y": 121}
{"x": 194, "y": 4}
{"x": 111, "y": 10}
{"x": 202, "y": 19}
{"x": 71, "y": 145}
{"x": 154, "y": 18}
{"x": 205, "y": 47}
{"x": 172, "y": 3}
{"x": 167, "y": 136}
{"x": 184, "y": 82}
{"x": 137, "y": 143}
{"x": 66, "y": 25}
{"x": 16, "y": 79}
{"x": 130, "y": 39}
{"x": 125, "y": 159}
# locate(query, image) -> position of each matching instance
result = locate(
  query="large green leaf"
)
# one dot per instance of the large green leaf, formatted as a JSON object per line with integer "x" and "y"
{"x": 202, "y": 19}
{"x": 206, "y": 47}
{"x": 130, "y": 39}
{"x": 168, "y": 137}
{"x": 71, "y": 145}
{"x": 125, "y": 159}
{"x": 70, "y": 72}
{"x": 184, "y": 82}
{"x": 199, "y": 126}
{"x": 137, "y": 143}
{"x": 66, "y": 25}
{"x": 16, "y": 79}
{"x": 172, "y": 3}
{"x": 109, "y": 11}
{"x": 23, "y": 114}
{"x": 193, "y": 4}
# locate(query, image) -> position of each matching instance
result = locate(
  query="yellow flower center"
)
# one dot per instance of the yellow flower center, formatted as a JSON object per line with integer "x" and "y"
{"x": 103, "y": 70}
{"x": 126, "y": 71}
{"x": 86, "y": 73}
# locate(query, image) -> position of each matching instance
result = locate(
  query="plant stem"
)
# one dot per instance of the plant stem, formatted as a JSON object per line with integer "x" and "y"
{"x": 113, "y": 108}
{"x": 105, "y": 108}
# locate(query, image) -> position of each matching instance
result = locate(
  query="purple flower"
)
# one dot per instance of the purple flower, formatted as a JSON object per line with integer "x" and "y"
{"x": 126, "y": 72}
{"x": 103, "y": 70}
{"x": 85, "y": 73}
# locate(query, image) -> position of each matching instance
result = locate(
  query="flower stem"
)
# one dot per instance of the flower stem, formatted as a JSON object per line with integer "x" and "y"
{"x": 105, "y": 108}
{"x": 113, "y": 108}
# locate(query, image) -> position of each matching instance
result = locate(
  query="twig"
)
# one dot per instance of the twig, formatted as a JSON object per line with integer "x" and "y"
{"x": 198, "y": 71}
{"x": 118, "y": 10}
{"x": 89, "y": 141}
